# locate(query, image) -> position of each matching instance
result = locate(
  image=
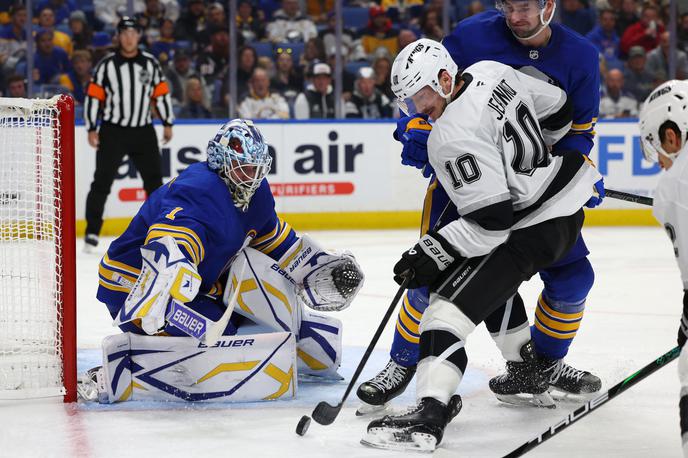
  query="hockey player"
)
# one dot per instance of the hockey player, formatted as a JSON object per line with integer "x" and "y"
{"x": 520, "y": 210}
{"x": 663, "y": 134}
{"x": 165, "y": 275}
{"x": 518, "y": 34}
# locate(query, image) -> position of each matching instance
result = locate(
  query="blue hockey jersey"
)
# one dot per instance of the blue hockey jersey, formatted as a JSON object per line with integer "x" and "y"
{"x": 569, "y": 61}
{"x": 197, "y": 210}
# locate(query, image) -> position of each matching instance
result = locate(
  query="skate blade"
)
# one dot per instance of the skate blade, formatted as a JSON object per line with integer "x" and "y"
{"x": 565, "y": 396}
{"x": 400, "y": 440}
{"x": 543, "y": 400}
{"x": 366, "y": 409}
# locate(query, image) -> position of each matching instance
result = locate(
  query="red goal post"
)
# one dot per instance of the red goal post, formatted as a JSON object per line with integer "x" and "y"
{"x": 37, "y": 249}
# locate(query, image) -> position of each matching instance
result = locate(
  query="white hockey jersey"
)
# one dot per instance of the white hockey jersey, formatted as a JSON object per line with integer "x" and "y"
{"x": 490, "y": 150}
{"x": 670, "y": 207}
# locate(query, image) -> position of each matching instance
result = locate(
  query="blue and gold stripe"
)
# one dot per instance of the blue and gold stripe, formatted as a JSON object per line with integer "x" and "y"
{"x": 109, "y": 271}
{"x": 558, "y": 325}
{"x": 186, "y": 238}
{"x": 408, "y": 323}
{"x": 584, "y": 128}
{"x": 281, "y": 234}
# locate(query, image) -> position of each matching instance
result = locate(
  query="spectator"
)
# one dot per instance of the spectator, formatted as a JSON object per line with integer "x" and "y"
{"x": 403, "y": 11}
{"x": 658, "y": 61}
{"x": 627, "y": 16}
{"x": 50, "y": 61}
{"x": 313, "y": 51}
{"x": 164, "y": 47}
{"x": 682, "y": 28}
{"x": 405, "y": 37}
{"x": 379, "y": 33}
{"x": 260, "y": 103}
{"x": 77, "y": 78}
{"x": 367, "y": 102}
{"x": 475, "y": 7}
{"x": 217, "y": 17}
{"x": 82, "y": 33}
{"x": 287, "y": 19}
{"x": 61, "y": 8}
{"x": 109, "y": 11}
{"x": 150, "y": 21}
{"x": 430, "y": 25}
{"x": 196, "y": 102}
{"x": 16, "y": 86}
{"x": 178, "y": 74}
{"x": 248, "y": 61}
{"x": 317, "y": 101}
{"x": 382, "y": 67}
{"x": 616, "y": 103}
{"x": 605, "y": 38}
{"x": 101, "y": 45}
{"x": 46, "y": 20}
{"x": 318, "y": 9}
{"x": 638, "y": 81}
{"x": 348, "y": 78}
{"x": 13, "y": 39}
{"x": 191, "y": 24}
{"x": 645, "y": 32}
{"x": 577, "y": 16}
{"x": 248, "y": 23}
{"x": 328, "y": 35}
{"x": 287, "y": 81}
{"x": 213, "y": 62}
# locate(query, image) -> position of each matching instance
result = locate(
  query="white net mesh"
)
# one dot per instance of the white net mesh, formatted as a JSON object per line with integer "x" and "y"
{"x": 30, "y": 266}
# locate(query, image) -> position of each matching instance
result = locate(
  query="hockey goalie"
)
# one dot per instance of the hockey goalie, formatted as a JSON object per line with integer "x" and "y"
{"x": 218, "y": 297}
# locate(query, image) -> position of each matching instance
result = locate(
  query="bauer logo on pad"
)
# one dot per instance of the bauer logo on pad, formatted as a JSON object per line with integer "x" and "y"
{"x": 186, "y": 319}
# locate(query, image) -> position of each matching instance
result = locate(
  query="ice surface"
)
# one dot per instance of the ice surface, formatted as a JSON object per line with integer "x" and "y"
{"x": 632, "y": 317}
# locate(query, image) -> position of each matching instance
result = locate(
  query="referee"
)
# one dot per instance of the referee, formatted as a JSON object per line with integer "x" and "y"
{"x": 124, "y": 87}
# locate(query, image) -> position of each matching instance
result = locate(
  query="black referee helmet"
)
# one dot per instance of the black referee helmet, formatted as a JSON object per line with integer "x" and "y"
{"x": 128, "y": 23}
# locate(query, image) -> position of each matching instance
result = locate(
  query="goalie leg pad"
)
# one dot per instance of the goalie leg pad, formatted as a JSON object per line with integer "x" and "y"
{"x": 243, "y": 368}
{"x": 319, "y": 349}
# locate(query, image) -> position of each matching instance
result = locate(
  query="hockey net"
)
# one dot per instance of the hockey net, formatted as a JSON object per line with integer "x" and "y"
{"x": 37, "y": 249}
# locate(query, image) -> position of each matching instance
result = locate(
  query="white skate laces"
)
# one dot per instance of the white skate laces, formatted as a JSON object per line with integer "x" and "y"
{"x": 392, "y": 375}
{"x": 560, "y": 369}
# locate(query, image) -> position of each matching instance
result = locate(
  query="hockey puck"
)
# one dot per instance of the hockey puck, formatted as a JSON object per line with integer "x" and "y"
{"x": 303, "y": 425}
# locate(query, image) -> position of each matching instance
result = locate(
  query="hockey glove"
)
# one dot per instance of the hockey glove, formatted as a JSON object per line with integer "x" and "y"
{"x": 413, "y": 132}
{"x": 427, "y": 260}
{"x": 598, "y": 195}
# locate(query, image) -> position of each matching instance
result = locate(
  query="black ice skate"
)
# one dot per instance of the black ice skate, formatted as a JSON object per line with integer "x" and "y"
{"x": 385, "y": 386}
{"x": 523, "y": 383}
{"x": 567, "y": 379}
{"x": 421, "y": 429}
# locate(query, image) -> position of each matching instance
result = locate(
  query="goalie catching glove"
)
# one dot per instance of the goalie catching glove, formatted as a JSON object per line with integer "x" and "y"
{"x": 165, "y": 274}
{"x": 328, "y": 280}
{"x": 426, "y": 260}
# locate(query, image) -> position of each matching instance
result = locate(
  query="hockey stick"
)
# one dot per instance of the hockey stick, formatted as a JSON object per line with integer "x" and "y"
{"x": 325, "y": 413}
{"x": 598, "y": 401}
{"x": 628, "y": 197}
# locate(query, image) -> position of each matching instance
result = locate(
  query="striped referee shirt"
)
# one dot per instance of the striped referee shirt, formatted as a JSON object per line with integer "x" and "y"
{"x": 122, "y": 90}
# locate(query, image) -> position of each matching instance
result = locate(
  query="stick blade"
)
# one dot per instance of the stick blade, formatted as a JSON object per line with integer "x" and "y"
{"x": 325, "y": 414}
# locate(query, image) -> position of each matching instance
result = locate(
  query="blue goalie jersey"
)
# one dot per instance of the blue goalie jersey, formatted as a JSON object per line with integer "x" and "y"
{"x": 197, "y": 210}
{"x": 569, "y": 61}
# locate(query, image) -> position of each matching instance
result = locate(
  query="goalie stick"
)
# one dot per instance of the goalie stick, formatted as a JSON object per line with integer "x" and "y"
{"x": 628, "y": 197}
{"x": 591, "y": 405}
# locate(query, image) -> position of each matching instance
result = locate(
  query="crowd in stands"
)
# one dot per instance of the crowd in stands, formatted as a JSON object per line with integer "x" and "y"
{"x": 287, "y": 50}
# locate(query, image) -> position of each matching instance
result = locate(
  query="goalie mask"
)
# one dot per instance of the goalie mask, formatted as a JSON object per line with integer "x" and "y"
{"x": 239, "y": 154}
{"x": 520, "y": 14}
{"x": 669, "y": 102}
{"x": 415, "y": 74}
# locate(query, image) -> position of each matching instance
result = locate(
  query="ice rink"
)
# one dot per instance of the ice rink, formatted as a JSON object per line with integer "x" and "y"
{"x": 632, "y": 317}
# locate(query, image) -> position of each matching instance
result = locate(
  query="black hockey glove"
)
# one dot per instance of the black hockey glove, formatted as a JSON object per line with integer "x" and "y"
{"x": 427, "y": 259}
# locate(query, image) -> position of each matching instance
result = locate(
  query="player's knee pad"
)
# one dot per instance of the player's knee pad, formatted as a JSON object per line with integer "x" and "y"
{"x": 569, "y": 283}
{"x": 509, "y": 327}
{"x": 319, "y": 345}
{"x": 444, "y": 329}
{"x": 241, "y": 368}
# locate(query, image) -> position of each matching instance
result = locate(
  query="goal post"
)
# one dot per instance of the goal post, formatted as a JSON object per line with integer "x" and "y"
{"x": 37, "y": 249}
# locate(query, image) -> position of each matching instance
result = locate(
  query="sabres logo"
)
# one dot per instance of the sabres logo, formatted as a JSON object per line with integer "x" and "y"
{"x": 534, "y": 54}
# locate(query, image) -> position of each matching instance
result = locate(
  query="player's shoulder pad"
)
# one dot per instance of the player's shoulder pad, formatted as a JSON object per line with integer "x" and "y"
{"x": 571, "y": 43}
{"x": 199, "y": 181}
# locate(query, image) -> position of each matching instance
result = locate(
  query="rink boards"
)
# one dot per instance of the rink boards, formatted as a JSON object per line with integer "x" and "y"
{"x": 348, "y": 175}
